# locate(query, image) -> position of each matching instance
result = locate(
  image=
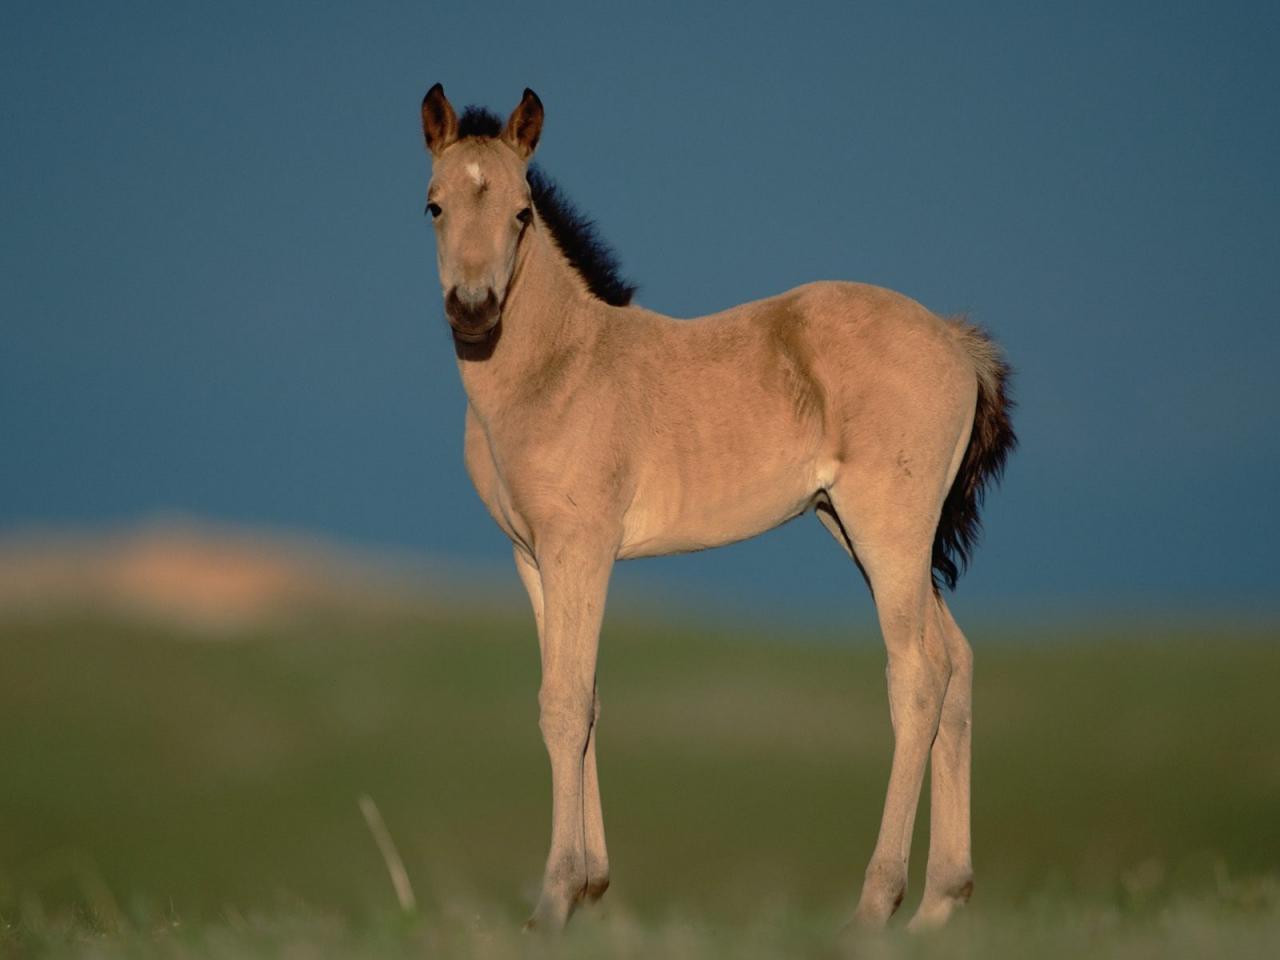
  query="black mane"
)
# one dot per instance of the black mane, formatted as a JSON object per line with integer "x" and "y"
{"x": 479, "y": 122}
{"x": 575, "y": 234}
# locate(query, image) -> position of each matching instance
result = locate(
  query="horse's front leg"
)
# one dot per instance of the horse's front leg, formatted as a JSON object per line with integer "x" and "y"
{"x": 572, "y": 573}
{"x": 593, "y": 816}
{"x": 597, "y": 854}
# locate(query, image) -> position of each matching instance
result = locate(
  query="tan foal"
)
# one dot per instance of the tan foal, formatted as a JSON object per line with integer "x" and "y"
{"x": 598, "y": 430}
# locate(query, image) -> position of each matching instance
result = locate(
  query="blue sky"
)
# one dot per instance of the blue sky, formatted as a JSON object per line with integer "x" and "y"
{"x": 219, "y": 293}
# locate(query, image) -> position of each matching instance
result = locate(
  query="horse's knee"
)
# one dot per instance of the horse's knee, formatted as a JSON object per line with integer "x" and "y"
{"x": 564, "y": 719}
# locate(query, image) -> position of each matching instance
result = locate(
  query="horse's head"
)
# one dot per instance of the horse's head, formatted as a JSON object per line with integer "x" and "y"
{"x": 479, "y": 203}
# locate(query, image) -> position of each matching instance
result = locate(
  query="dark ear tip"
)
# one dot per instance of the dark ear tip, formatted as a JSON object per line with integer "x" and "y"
{"x": 436, "y": 91}
{"x": 530, "y": 95}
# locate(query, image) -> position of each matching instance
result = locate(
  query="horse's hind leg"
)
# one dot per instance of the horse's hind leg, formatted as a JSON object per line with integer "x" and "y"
{"x": 891, "y": 537}
{"x": 949, "y": 876}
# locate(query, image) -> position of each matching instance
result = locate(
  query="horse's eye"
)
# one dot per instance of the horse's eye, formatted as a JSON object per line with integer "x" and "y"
{"x": 525, "y": 215}
{"x": 433, "y": 209}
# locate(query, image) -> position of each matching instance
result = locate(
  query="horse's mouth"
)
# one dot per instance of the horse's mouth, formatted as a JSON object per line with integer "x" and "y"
{"x": 473, "y": 336}
{"x": 472, "y": 322}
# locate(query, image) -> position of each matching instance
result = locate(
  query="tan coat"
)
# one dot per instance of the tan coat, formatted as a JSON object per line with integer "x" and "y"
{"x": 598, "y": 432}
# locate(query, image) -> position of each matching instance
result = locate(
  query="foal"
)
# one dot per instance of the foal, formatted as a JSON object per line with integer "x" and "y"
{"x": 597, "y": 431}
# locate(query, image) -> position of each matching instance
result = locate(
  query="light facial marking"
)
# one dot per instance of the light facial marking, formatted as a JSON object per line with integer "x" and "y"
{"x": 473, "y": 171}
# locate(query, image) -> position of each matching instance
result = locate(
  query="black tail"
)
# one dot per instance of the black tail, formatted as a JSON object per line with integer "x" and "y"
{"x": 990, "y": 444}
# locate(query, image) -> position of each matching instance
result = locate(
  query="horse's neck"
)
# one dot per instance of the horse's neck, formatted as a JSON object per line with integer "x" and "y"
{"x": 547, "y": 325}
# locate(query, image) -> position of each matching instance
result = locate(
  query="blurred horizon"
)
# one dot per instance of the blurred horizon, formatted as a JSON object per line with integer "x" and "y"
{"x": 221, "y": 302}
{"x": 190, "y": 573}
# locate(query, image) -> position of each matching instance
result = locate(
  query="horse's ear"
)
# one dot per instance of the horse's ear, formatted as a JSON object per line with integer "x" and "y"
{"x": 525, "y": 125}
{"x": 439, "y": 122}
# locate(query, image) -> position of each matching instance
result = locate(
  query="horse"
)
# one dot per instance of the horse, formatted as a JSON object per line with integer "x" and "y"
{"x": 598, "y": 431}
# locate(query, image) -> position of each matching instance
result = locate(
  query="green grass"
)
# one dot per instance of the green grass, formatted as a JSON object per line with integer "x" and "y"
{"x": 169, "y": 795}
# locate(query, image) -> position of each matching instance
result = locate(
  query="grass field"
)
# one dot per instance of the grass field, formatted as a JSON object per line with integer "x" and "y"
{"x": 178, "y": 795}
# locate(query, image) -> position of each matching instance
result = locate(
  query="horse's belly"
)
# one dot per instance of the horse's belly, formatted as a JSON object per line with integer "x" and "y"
{"x": 680, "y": 516}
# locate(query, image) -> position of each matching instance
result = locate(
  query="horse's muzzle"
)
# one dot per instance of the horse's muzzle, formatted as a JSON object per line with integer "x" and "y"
{"x": 472, "y": 313}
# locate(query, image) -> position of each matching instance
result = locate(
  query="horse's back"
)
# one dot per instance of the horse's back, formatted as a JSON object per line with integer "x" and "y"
{"x": 836, "y": 352}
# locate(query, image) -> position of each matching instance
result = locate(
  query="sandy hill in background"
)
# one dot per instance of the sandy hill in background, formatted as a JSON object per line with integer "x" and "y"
{"x": 203, "y": 575}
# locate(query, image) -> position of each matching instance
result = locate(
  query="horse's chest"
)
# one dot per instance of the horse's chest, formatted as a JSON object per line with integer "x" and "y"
{"x": 495, "y": 493}
{"x": 488, "y": 481}
{"x": 529, "y": 487}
